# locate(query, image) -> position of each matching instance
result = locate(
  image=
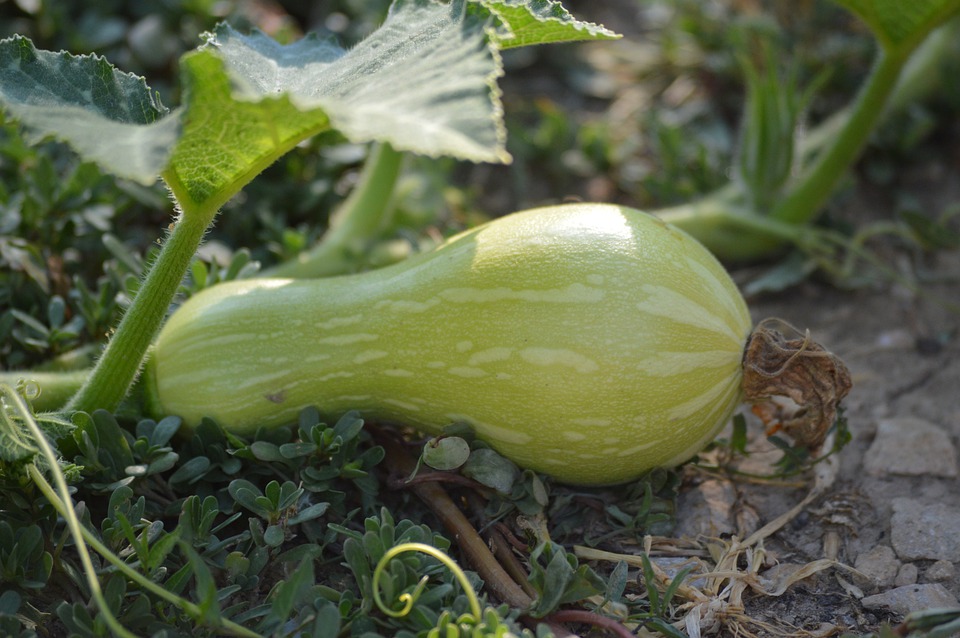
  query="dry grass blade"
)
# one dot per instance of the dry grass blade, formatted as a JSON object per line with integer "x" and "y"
{"x": 714, "y": 593}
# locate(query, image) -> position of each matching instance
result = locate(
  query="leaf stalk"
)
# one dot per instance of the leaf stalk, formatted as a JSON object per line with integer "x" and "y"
{"x": 359, "y": 219}
{"x": 120, "y": 363}
{"x": 804, "y": 201}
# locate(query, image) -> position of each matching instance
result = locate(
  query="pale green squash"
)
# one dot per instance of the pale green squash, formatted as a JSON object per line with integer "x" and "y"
{"x": 590, "y": 342}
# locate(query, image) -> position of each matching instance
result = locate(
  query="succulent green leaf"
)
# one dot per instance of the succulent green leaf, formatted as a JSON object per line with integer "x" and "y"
{"x": 107, "y": 116}
{"x": 899, "y": 25}
{"x": 288, "y": 592}
{"x": 527, "y": 22}
{"x": 446, "y": 453}
{"x": 488, "y": 467}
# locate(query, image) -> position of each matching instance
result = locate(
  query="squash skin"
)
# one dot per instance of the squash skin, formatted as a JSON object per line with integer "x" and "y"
{"x": 590, "y": 342}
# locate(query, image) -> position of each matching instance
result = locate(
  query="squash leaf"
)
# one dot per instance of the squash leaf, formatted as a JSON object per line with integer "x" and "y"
{"x": 527, "y": 22}
{"x": 107, "y": 116}
{"x": 901, "y": 25}
{"x": 424, "y": 82}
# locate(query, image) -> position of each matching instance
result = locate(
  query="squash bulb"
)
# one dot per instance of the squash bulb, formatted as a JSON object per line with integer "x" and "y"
{"x": 590, "y": 342}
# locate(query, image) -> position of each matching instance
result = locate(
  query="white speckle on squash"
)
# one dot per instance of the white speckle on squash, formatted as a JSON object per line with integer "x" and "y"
{"x": 346, "y": 340}
{"x": 352, "y": 398}
{"x": 574, "y": 293}
{"x": 467, "y": 372}
{"x": 669, "y": 304}
{"x": 723, "y": 388}
{"x": 369, "y": 355}
{"x": 718, "y": 292}
{"x": 490, "y": 355}
{"x": 559, "y": 357}
{"x": 630, "y": 451}
{"x": 266, "y": 379}
{"x": 403, "y": 405}
{"x": 338, "y": 322}
{"x": 406, "y": 305}
{"x": 668, "y": 364}
{"x": 592, "y": 423}
{"x": 501, "y": 434}
{"x": 340, "y": 374}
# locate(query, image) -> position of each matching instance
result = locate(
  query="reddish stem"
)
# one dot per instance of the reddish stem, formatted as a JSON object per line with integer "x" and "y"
{"x": 590, "y": 618}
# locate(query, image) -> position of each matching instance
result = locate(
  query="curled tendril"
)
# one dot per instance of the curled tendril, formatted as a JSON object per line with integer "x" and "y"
{"x": 28, "y": 389}
{"x": 408, "y": 599}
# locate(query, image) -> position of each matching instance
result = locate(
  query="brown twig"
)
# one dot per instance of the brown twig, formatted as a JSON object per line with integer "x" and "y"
{"x": 499, "y": 582}
{"x": 500, "y": 540}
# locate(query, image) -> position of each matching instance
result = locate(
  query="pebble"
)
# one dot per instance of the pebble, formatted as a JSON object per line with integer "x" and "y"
{"x": 909, "y": 446}
{"x": 879, "y": 565}
{"x": 903, "y": 600}
{"x": 942, "y": 571}
{"x": 921, "y": 532}
{"x": 707, "y": 510}
{"x": 906, "y": 575}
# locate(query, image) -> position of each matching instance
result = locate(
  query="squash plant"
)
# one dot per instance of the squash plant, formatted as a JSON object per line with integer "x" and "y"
{"x": 424, "y": 82}
{"x": 782, "y": 179}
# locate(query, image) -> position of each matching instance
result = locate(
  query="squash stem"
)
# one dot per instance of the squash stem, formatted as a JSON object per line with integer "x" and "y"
{"x": 719, "y": 219}
{"x": 729, "y": 228}
{"x": 120, "y": 363}
{"x": 804, "y": 201}
{"x": 360, "y": 218}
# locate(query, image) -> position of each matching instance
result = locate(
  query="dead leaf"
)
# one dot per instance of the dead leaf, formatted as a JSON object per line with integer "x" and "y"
{"x": 794, "y": 382}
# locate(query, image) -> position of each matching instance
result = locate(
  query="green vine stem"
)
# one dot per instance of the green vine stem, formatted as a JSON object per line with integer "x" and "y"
{"x": 804, "y": 201}
{"x": 409, "y": 599}
{"x": 721, "y": 221}
{"x": 358, "y": 220}
{"x": 193, "y": 610}
{"x": 59, "y": 497}
{"x": 120, "y": 362}
{"x": 73, "y": 523}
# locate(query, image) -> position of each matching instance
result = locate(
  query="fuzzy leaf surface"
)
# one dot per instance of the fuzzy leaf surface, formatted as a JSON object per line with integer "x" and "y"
{"x": 15, "y": 444}
{"x": 107, "y": 116}
{"x": 424, "y": 82}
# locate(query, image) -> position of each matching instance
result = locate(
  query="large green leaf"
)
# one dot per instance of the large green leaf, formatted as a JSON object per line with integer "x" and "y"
{"x": 527, "y": 22}
{"x": 900, "y": 25}
{"x": 107, "y": 116}
{"x": 227, "y": 142}
{"x": 424, "y": 82}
